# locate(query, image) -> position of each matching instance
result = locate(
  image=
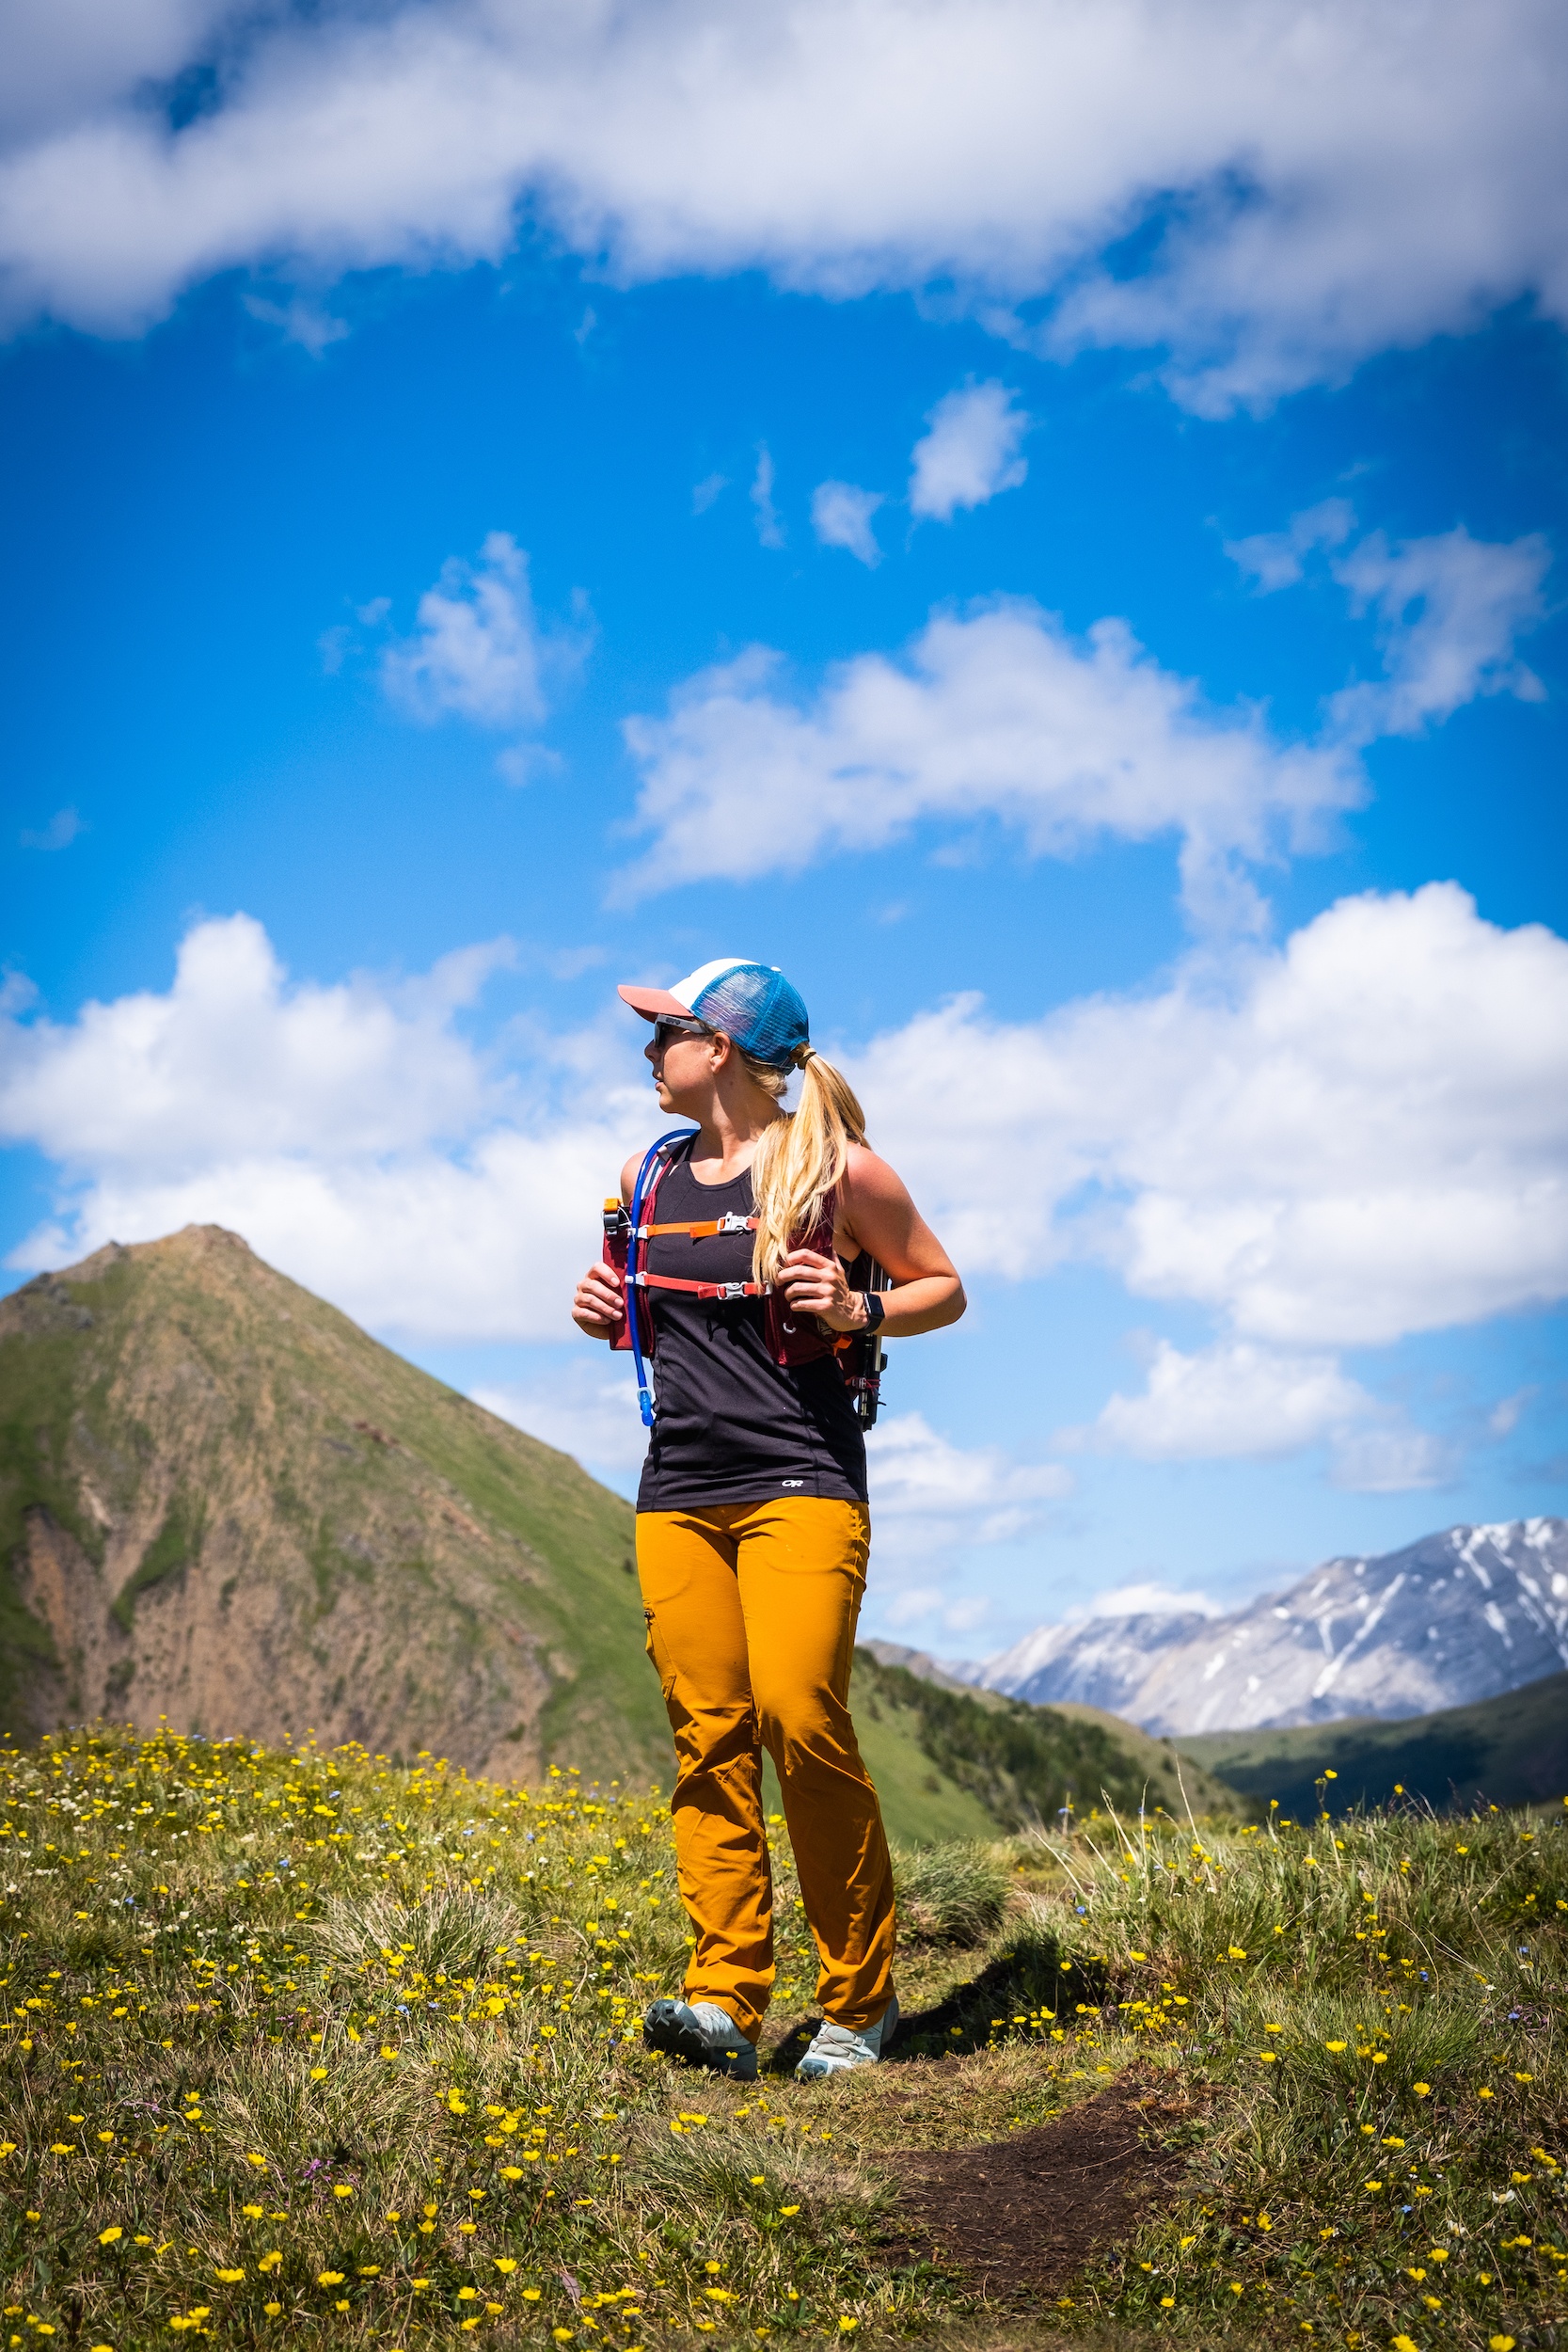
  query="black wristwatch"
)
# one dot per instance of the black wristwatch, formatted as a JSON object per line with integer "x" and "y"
{"x": 875, "y": 1311}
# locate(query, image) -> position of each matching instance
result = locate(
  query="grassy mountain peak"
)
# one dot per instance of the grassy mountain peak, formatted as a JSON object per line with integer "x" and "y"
{"x": 223, "y": 1503}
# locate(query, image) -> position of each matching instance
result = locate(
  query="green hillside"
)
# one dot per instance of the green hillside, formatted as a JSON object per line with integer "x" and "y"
{"x": 223, "y": 1503}
{"x": 965, "y": 1764}
{"x": 1508, "y": 1749}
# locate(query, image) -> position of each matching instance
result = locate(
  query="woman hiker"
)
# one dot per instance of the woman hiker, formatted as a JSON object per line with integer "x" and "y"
{"x": 753, "y": 1527}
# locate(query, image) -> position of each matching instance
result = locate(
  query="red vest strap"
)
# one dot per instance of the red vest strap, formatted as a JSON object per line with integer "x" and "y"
{"x": 699, "y": 1233}
{"x": 700, "y": 1290}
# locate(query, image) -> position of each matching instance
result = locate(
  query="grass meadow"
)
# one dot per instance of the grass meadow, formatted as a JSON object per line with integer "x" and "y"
{"x": 308, "y": 2048}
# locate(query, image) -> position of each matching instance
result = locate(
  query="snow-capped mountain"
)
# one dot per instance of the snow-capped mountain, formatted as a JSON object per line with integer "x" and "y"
{"x": 1457, "y": 1616}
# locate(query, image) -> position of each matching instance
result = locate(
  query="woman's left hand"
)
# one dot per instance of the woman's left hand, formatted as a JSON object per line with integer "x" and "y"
{"x": 816, "y": 1285}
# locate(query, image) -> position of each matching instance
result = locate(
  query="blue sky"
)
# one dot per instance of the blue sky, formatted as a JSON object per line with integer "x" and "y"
{"x": 1102, "y": 633}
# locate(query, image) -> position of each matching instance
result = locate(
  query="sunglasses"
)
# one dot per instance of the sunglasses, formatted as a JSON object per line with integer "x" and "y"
{"x": 666, "y": 1029}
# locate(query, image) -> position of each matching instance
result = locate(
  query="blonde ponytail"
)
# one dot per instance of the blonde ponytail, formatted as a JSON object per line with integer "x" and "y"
{"x": 800, "y": 1158}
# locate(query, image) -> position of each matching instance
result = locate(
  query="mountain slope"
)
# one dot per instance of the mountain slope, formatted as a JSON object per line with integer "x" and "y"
{"x": 222, "y": 1502}
{"x": 1510, "y": 1750}
{"x": 929, "y": 1743}
{"x": 922, "y": 1804}
{"x": 1455, "y": 1617}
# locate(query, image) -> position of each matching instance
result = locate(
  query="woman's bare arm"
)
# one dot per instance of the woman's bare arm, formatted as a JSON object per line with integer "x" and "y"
{"x": 876, "y": 1213}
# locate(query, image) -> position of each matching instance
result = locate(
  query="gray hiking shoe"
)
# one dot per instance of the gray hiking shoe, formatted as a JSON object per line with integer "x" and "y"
{"x": 834, "y": 2048}
{"x": 703, "y": 2034}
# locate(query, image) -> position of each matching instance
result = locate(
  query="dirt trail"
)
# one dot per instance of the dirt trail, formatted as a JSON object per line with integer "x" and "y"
{"x": 1030, "y": 2210}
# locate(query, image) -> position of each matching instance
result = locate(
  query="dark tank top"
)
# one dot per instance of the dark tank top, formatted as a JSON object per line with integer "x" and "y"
{"x": 731, "y": 1424}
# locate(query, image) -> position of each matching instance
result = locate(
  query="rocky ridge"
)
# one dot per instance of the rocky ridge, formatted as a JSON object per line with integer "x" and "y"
{"x": 1454, "y": 1617}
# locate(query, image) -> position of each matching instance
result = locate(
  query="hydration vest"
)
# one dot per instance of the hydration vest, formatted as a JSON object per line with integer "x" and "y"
{"x": 789, "y": 1340}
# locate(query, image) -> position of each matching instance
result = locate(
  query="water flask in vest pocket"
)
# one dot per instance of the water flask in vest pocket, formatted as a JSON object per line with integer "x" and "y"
{"x": 617, "y": 1249}
{"x": 863, "y": 1360}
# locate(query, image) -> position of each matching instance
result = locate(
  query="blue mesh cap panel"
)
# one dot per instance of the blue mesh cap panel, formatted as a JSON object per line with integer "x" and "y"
{"x": 758, "y": 1006}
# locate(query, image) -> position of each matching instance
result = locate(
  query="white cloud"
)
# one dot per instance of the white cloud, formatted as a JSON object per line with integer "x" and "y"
{"x": 232, "y": 1058}
{"x": 941, "y": 1496}
{"x": 1143, "y": 1600}
{"x": 1236, "y": 1399}
{"x": 1448, "y": 609}
{"x": 1362, "y": 1133}
{"x": 67, "y": 59}
{"x": 587, "y": 1408}
{"x": 59, "y": 833}
{"x": 971, "y": 452}
{"x": 909, "y": 1606}
{"x": 841, "y": 517}
{"x": 933, "y": 1503}
{"x": 704, "y": 492}
{"x": 351, "y": 1133}
{"x": 1277, "y": 559}
{"x": 770, "y": 531}
{"x": 477, "y": 1242}
{"x": 303, "y": 322}
{"x": 520, "y": 763}
{"x": 1319, "y": 185}
{"x": 997, "y": 713}
{"x": 1240, "y": 1401}
{"x": 1508, "y": 1412}
{"x": 920, "y": 1604}
{"x": 1389, "y": 1457}
{"x": 479, "y": 652}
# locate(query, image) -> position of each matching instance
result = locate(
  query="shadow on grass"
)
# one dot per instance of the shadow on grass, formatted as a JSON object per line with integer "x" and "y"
{"x": 1028, "y": 1977}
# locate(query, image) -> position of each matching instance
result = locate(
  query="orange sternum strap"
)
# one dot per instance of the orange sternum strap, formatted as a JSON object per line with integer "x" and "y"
{"x": 839, "y": 1341}
{"x": 701, "y": 1232}
{"x": 700, "y": 1289}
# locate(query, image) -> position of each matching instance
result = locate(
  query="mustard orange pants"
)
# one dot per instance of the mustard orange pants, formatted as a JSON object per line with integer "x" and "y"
{"x": 751, "y": 1610}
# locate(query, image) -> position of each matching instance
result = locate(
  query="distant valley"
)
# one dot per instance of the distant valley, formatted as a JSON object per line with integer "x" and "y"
{"x": 1510, "y": 1750}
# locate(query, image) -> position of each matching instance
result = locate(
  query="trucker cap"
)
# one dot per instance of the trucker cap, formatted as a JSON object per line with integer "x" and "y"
{"x": 753, "y": 1003}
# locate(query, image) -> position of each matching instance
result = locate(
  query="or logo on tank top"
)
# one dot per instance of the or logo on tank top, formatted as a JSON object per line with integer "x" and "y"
{"x": 792, "y": 1481}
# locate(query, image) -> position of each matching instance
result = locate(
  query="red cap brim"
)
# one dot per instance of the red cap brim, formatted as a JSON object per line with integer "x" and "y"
{"x": 654, "y": 1004}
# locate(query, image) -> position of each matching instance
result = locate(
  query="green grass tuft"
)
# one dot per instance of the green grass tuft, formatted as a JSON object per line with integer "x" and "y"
{"x": 953, "y": 1893}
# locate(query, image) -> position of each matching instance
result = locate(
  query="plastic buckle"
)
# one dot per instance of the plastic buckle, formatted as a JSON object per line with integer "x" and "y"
{"x": 731, "y": 1290}
{"x": 730, "y": 1223}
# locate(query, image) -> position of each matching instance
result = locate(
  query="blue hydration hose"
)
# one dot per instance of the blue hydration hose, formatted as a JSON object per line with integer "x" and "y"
{"x": 644, "y": 1393}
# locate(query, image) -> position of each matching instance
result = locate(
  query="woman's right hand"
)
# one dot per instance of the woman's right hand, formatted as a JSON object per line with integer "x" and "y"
{"x": 596, "y": 1302}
